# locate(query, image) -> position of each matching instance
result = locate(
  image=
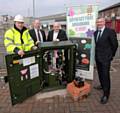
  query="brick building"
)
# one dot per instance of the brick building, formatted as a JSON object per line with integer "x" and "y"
{"x": 112, "y": 15}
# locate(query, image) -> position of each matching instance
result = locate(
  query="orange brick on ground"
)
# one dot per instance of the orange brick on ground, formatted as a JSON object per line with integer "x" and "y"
{"x": 77, "y": 92}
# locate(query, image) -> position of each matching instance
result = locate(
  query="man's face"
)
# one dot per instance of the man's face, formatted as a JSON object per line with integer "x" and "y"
{"x": 19, "y": 25}
{"x": 100, "y": 23}
{"x": 37, "y": 24}
{"x": 56, "y": 27}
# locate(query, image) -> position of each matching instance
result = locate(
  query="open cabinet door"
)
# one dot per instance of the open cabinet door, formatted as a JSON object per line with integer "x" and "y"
{"x": 24, "y": 75}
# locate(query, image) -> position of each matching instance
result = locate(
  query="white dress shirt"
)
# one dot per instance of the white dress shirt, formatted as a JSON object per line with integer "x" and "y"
{"x": 55, "y": 34}
{"x": 41, "y": 37}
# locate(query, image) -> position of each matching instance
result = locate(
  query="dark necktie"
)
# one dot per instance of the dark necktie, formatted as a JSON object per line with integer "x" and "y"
{"x": 99, "y": 35}
{"x": 39, "y": 35}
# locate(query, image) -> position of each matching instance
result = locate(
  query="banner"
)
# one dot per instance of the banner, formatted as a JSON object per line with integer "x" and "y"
{"x": 81, "y": 24}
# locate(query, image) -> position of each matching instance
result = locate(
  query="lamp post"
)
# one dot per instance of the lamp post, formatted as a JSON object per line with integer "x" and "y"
{"x": 33, "y": 8}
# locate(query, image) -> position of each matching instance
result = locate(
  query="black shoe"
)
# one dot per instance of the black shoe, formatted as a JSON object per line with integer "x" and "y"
{"x": 104, "y": 100}
{"x": 6, "y": 79}
{"x": 98, "y": 87}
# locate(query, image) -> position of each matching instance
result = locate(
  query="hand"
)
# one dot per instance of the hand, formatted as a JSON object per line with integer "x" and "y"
{"x": 34, "y": 48}
{"x": 21, "y": 53}
{"x": 57, "y": 40}
{"x": 37, "y": 42}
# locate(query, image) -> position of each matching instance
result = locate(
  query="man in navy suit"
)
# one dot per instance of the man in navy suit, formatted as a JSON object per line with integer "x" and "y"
{"x": 37, "y": 34}
{"x": 105, "y": 49}
{"x": 57, "y": 34}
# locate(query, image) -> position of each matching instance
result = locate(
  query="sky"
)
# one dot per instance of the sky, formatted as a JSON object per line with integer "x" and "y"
{"x": 46, "y": 7}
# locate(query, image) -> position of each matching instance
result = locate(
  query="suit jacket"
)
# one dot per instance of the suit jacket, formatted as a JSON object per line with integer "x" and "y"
{"x": 34, "y": 37}
{"x": 106, "y": 46}
{"x": 61, "y": 35}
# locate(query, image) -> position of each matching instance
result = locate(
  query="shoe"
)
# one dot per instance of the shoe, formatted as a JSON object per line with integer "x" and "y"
{"x": 98, "y": 87}
{"x": 104, "y": 100}
{"x": 6, "y": 79}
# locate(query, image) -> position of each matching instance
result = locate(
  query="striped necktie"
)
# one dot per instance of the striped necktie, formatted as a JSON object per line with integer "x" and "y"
{"x": 39, "y": 35}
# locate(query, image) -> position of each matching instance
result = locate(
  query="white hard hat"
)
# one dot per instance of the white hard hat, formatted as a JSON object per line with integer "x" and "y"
{"x": 19, "y": 18}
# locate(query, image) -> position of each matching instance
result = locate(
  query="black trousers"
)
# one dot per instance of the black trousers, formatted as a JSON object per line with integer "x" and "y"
{"x": 103, "y": 69}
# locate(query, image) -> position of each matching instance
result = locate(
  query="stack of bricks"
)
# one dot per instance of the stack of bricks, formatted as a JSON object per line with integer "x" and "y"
{"x": 78, "y": 92}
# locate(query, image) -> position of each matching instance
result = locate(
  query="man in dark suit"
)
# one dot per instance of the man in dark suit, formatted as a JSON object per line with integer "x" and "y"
{"x": 37, "y": 34}
{"x": 105, "y": 49}
{"x": 57, "y": 34}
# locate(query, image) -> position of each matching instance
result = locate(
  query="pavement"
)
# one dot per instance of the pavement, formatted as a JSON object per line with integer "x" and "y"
{"x": 65, "y": 104}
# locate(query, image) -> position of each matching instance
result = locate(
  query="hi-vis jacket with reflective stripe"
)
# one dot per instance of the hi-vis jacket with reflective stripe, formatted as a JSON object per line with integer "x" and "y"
{"x": 12, "y": 39}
